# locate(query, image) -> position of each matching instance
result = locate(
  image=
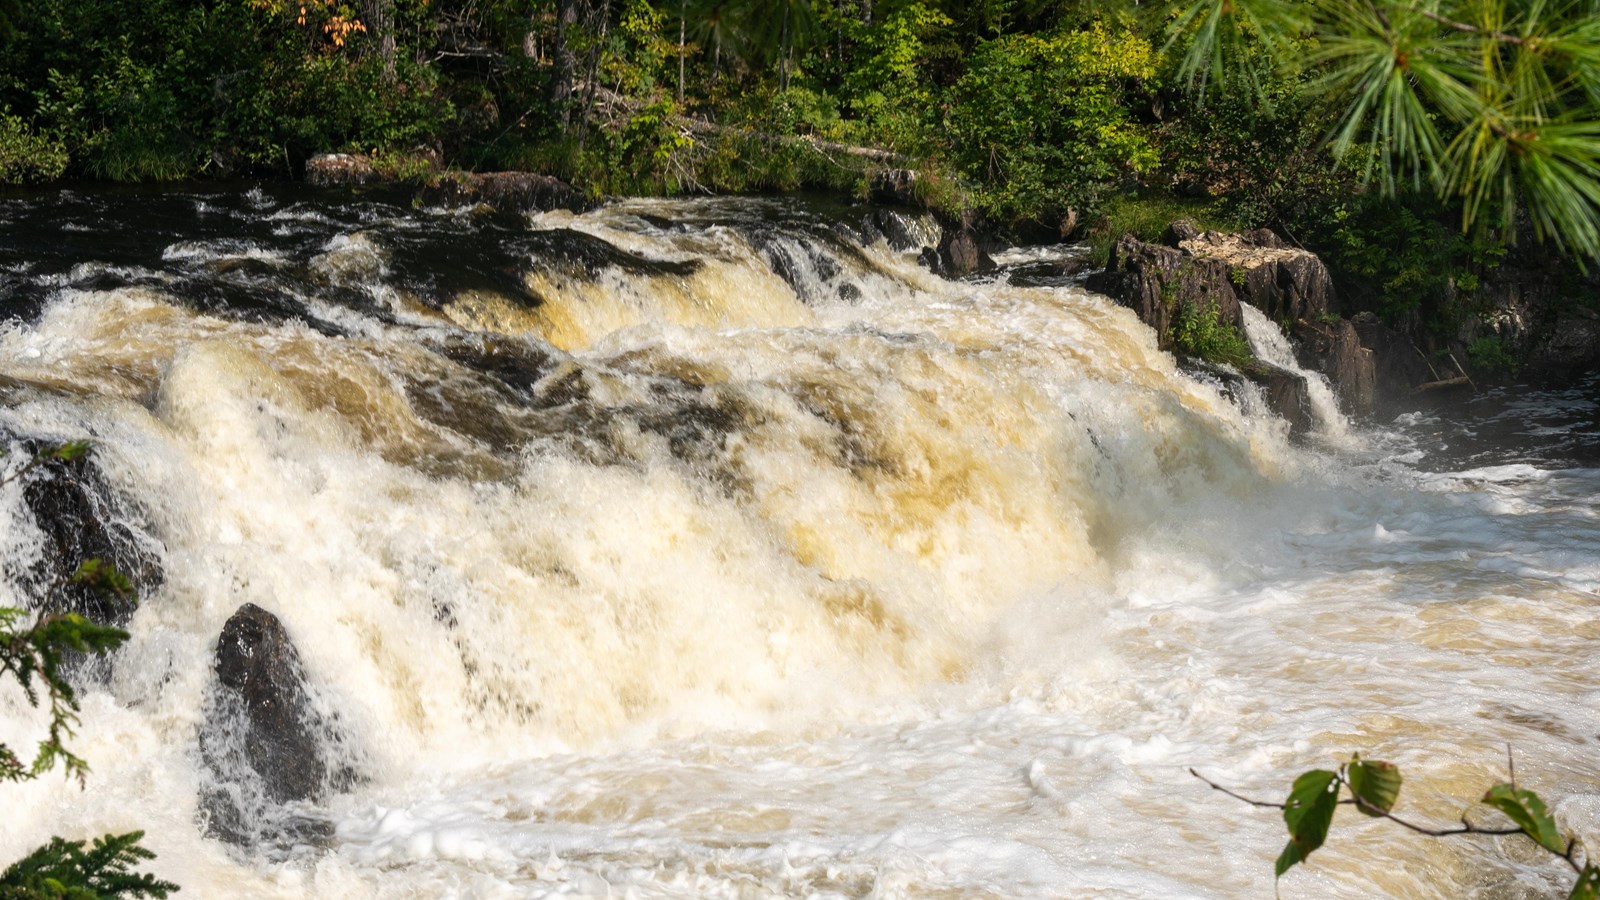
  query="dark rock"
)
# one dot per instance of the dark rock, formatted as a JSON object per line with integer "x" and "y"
{"x": 1398, "y": 365}
{"x": 506, "y": 192}
{"x": 1571, "y": 346}
{"x": 1068, "y": 224}
{"x": 1156, "y": 281}
{"x": 895, "y": 186}
{"x": 960, "y": 253}
{"x": 82, "y": 518}
{"x": 1178, "y": 232}
{"x": 897, "y": 229}
{"x": 264, "y": 742}
{"x": 1334, "y": 348}
{"x": 331, "y": 169}
{"x": 1285, "y": 393}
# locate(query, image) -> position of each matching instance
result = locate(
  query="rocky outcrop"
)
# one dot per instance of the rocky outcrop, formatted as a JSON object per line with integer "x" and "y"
{"x": 1285, "y": 393}
{"x": 1155, "y": 281}
{"x": 1215, "y": 271}
{"x": 960, "y": 253}
{"x": 1333, "y": 347}
{"x": 1286, "y": 283}
{"x": 507, "y": 192}
{"x": 1571, "y": 345}
{"x": 1397, "y": 363}
{"x": 264, "y": 742}
{"x": 333, "y": 169}
{"x": 80, "y": 518}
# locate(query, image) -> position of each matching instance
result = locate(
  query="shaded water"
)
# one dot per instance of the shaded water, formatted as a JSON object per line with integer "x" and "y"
{"x": 709, "y": 548}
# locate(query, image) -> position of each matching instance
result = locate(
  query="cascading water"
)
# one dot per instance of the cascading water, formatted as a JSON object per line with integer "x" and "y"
{"x": 711, "y": 548}
{"x": 1270, "y": 344}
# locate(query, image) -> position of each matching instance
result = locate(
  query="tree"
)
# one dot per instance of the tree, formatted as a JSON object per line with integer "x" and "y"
{"x": 1493, "y": 105}
{"x": 37, "y": 656}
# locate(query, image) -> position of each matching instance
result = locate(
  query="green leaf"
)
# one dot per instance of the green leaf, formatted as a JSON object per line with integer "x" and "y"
{"x": 1524, "y": 808}
{"x": 1376, "y": 785}
{"x": 1308, "y": 813}
{"x": 1588, "y": 886}
{"x": 70, "y": 451}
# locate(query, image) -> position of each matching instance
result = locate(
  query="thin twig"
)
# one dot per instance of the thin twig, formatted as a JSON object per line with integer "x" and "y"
{"x": 1217, "y": 787}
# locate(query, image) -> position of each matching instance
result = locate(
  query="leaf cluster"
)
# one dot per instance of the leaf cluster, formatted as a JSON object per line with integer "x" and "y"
{"x": 72, "y": 870}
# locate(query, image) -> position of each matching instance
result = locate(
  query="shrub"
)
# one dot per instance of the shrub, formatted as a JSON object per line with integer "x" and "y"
{"x": 27, "y": 156}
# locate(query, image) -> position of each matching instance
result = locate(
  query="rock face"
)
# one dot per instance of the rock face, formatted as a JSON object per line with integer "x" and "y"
{"x": 80, "y": 518}
{"x": 1286, "y": 283}
{"x": 1221, "y": 272}
{"x": 1284, "y": 392}
{"x": 894, "y": 186}
{"x": 1572, "y": 344}
{"x": 1334, "y": 348}
{"x": 1398, "y": 366}
{"x": 264, "y": 742}
{"x": 959, "y": 254}
{"x": 330, "y": 169}
{"x": 1156, "y": 281}
{"x": 507, "y": 192}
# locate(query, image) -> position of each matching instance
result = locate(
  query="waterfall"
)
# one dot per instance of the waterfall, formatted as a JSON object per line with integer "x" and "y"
{"x": 1270, "y": 344}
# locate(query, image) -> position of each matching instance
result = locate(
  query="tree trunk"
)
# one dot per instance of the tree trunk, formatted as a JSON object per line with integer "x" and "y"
{"x": 379, "y": 15}
{"x": 568, "y": 13}
{"x": 683, "y": 13}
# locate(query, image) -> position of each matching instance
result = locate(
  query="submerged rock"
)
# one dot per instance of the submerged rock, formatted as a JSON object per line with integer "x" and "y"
{"x": 1285, "y": 393}
{"x": 81, "y": 518}
{"x": 264, "y": 742}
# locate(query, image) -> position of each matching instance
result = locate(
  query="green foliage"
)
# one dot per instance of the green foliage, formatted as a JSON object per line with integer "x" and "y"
{"x": 1494, "y": 106}
{"x": 68, "y": 870}
{"x": 1374, "y": 789}
{"x": 1308, "y": 812}
{"x": 1146, "y": 217}
{"x": 1200, "y": 332}
{"x": 1489, "y": 354}
{"x": 1043, "y": 122}
{"x": 25, "y": 155}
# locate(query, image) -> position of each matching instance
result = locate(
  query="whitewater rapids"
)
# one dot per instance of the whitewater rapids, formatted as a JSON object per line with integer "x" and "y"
{"x": 713, "y": 549}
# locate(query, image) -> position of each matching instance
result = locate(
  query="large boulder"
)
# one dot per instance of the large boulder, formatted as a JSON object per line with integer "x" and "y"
{"x": 1284, "y": 393}
{"x": 1570, "y": 346}
{"x": 506, "y": 192}
{"x": 960, "y": 253}
{"x": 1156, "y": 281}
{"x": 1333, "y": 347}
{"x": 264, "y": 741}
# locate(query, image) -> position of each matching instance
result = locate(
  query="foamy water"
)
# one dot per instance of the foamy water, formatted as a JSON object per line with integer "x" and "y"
{"x": 710, "y": 553}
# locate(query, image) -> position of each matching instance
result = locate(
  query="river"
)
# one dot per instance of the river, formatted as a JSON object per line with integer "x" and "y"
{"x": 712, "y": 548}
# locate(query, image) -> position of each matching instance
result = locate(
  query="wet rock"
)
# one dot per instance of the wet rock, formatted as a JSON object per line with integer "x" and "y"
{"x": 894, "y": 186}
{"x": 506, "y": 192}
{"x": 1334, "y": 348}
{"x": 1571, "y": 345}
{"x": 264, "y": 741}
{"x": 960, "y": 253}
{"x": 330, "y": 169}
{"x": 80, "y": 518}
{"x": 1398, "y": 365}
{"x": 895, "y": 228}
{"x": 1285, "y": 393}
{"x": 1156, "y": 281}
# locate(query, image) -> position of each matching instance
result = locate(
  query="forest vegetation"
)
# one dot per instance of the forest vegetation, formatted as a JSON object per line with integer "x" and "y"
{"x": 1409, "y": 143}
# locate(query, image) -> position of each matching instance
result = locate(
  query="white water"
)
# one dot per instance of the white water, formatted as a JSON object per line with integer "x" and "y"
{"x": 946, "y": 605}
{"x": 1270, "y": 344}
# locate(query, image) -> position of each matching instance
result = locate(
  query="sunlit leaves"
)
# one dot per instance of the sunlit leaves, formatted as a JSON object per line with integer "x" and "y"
{"x": 1308, "y": 813}
{"x": 1524, "y": 808}
{"x": 1492, "y": 104}
{"x": 1588, "y": 886}
{"x": 1375, "y": 785}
